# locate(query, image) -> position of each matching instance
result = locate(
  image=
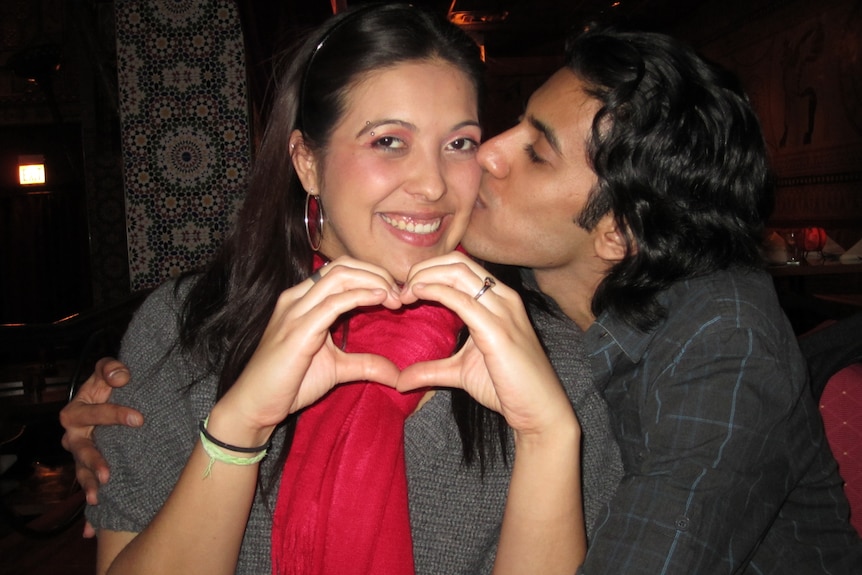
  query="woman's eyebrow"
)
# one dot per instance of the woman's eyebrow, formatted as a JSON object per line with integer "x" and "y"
{"x": 466, "y": 123}
{"x": 410, "y": 126}
{"x": 370, "y": 126}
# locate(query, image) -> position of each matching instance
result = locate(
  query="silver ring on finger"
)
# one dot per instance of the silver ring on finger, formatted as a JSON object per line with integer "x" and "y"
{"x": 315, "y": 277}
{"x": 489, "y": 283}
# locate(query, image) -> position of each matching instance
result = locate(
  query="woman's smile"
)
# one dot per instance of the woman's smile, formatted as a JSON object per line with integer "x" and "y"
{"x": 417, "y": 226}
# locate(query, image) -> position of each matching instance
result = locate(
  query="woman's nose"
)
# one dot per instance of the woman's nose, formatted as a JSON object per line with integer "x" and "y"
{"x": 428, "y": 180}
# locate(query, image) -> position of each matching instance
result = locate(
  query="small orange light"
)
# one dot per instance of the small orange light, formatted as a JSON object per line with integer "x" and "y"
{"x": 31, "y": 170}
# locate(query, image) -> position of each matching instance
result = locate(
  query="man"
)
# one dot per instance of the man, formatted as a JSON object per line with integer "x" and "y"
{"x": 635, "y": 190}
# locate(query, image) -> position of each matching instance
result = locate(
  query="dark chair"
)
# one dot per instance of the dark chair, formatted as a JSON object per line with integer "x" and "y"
{"x": 831, "y": 347}
{"x": 834, "y": 355}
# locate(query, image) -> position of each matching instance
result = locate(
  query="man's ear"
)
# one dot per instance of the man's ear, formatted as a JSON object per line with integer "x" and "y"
{"x": 610, "y": 241}
{"x": 304, "y": 162}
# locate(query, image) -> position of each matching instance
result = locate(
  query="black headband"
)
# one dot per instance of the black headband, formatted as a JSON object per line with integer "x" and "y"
{"x": 326, "y": 36}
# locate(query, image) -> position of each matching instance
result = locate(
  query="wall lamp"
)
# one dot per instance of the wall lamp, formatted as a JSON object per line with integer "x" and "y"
{"x": 31, "y": 170}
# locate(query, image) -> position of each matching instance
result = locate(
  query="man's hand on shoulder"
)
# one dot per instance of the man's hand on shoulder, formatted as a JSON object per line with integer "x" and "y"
{"x": 87, "y": 409}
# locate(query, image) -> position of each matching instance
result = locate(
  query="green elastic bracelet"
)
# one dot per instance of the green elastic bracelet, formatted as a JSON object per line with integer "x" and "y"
{"x": 217, "y": 454}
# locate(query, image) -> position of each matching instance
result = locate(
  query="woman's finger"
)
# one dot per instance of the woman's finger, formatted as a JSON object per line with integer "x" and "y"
{"x": 365, "y": 367}
{"x": 505, "y": 368}
{"x": 456, "y": 271}
{"x": 340, "y": 275}
{"x": 437, "y": 373}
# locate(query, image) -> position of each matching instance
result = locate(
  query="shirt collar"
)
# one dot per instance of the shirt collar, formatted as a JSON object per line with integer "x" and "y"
{"x": 632, "y": 341}
{"x": 608, "y": 329}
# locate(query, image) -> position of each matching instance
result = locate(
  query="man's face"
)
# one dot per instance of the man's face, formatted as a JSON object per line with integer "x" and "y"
{"x": 536, "y": 181}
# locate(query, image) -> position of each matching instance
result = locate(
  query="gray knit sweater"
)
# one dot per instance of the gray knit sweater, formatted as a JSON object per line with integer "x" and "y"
{"x": 455, "y": 512}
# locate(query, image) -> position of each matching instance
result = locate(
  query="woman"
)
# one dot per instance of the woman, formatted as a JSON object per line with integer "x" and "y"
{"x": 364, "y": 172}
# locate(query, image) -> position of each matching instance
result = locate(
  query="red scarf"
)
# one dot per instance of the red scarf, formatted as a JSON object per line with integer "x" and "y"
{"x": 342, "y": 505}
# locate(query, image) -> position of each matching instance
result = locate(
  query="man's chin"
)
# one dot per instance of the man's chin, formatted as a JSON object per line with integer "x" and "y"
{"x": 482, "y": 248}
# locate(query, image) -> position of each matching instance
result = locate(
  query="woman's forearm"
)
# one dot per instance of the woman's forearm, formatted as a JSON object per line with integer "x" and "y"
{"x": 543, "y": 525}
{"x": 201, "y": 526}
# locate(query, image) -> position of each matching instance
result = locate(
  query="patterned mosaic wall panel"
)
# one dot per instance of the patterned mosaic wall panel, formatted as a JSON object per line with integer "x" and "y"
{"x": 185, "y": 130}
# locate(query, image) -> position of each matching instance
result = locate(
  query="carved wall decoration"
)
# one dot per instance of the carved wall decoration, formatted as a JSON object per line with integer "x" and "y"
{"x": 801, "y": 62}
{"x": 185, "y": 130}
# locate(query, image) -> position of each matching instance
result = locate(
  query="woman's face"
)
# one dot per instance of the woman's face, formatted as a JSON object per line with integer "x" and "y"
{"x": 399, "y": 177}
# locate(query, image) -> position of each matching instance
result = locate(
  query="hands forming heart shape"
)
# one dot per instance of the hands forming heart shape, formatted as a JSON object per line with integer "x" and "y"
{"x": 396, "y": 343}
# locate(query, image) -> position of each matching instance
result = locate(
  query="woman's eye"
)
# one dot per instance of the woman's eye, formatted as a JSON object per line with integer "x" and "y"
{"x": 464, "y": 145}
{"x": 389, "y": 142}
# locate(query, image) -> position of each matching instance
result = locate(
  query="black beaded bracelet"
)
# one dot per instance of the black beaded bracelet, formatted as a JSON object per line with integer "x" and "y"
{"x": 203, "y": 428}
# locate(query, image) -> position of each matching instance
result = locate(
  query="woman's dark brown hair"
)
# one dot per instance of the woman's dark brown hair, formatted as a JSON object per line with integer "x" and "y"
{"x": 230, "y": 303}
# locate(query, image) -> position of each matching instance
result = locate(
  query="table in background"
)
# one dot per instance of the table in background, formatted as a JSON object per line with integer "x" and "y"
{"x": 818, "y": 289}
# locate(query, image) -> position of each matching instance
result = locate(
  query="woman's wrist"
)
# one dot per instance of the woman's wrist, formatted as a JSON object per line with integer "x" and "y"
{"x": 230, "y": 429}
{"x": 218, "y": 450}
{"x": 561, "y": 434}
{"x": 210, "y": 439}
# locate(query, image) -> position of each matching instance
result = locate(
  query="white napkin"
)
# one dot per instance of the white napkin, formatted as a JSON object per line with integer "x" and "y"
{"x": 832, "y": 248}
{"x": 853, "y": 255}
{"x": 776, "y": 249}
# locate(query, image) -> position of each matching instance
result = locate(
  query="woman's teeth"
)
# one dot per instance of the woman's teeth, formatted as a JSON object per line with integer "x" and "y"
{"x": 413, "y": 227}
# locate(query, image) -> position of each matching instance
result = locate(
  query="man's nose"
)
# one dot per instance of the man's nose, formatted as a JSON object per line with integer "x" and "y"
{"x": 492, "y": 158}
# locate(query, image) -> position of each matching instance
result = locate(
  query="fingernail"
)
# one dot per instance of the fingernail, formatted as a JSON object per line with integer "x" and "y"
{"x": 112, "y": 373}
{"x": 134, "y": 420}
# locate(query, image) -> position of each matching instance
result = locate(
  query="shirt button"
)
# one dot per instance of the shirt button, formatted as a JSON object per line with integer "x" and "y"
{"x": 681, "y": 523}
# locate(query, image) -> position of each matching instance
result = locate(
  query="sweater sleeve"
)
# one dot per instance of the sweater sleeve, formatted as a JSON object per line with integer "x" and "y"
{"x": 601, "y": 464}
{"x": 146, "y": 462}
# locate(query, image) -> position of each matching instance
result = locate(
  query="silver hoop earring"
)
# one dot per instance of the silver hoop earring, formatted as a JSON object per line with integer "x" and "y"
{"x": 314, "y": 247}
